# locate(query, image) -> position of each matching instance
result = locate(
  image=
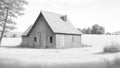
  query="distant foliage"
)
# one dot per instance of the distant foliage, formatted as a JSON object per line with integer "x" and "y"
{"x": 84, "y": 31}
{"x": 14, "y": 35}
{"x": 79, "y": 29}
{"x": 113, "y": 33}
{"x": 89, "y": 31}
{"x": 5, "y": 36}
{"x": 108, "y": 33}
{"x": 96, "y": 29}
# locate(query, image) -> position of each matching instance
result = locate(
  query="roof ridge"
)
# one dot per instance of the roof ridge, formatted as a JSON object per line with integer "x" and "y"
{"x": 52, "y": 12}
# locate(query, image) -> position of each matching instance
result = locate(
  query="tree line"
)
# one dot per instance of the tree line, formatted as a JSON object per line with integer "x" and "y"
{"x": 95, "y": 29}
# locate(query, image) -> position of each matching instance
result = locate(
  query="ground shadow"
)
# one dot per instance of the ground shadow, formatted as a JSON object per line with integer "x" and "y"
{"x": 106, "y": 52}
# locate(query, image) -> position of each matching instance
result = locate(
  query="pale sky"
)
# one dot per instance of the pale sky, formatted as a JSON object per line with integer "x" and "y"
{"x": 82, "y": 13}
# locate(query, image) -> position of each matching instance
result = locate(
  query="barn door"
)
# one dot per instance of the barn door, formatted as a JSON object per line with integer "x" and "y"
{"x": 42, "y": 40}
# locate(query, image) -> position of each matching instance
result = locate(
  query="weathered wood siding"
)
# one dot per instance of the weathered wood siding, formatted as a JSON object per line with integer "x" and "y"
{"x": 25, "y": 41}
{"x": 67, "y": 41}
{"x": 42, "y": 32}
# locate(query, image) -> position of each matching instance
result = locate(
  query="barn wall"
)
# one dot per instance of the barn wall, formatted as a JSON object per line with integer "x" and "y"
{"x": 25, "y": 41}
{"x": 67, "y": 41}
{"x": 42, "y": 31}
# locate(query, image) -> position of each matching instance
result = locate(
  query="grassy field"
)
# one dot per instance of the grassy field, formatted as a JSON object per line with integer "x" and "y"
{"x": 100, "y": 40}
{"x": 11, "y": 41}
{"x": 54, "y": 58}
{"x": 87, "y": 57}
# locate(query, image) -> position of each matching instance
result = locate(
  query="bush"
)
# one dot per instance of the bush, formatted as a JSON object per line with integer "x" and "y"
{"x": 85, "y": 45}
{"x": 5, "y": 36}
{"x": 114, "y": 47}
{"x": 14, "y": 35}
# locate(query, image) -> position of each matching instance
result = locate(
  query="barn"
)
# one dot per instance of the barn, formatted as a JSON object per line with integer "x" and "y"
{"x": 51, "y": 30}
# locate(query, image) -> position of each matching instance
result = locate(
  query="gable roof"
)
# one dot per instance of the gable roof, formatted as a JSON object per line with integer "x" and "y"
{"x": 56, "y": 23}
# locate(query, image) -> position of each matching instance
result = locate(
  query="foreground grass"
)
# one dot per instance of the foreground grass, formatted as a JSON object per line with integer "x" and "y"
{"x": 71, "y": 65}
{"x": 105, "y": 64}
{"x": 95, "y": 65}
{"x": 16, "y": 58}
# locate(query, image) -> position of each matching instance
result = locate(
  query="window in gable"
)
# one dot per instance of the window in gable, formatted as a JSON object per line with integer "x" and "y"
{"x": 64, "y": 18}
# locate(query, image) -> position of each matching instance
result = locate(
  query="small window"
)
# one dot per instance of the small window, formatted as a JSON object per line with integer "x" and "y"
{"x": 35, "y": 39}
{"x": 64, "y": 18}
{"x": 50, "y": 39}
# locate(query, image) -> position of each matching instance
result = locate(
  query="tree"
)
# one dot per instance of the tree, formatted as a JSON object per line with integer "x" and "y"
{"x": 84, "y": 31}
{"x": 9, "y": 9}
{"x": 96, "y": 29}
{"x": 88, "y": 31}
{"x": 79, "y": 29}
